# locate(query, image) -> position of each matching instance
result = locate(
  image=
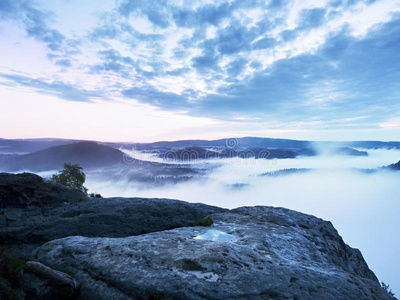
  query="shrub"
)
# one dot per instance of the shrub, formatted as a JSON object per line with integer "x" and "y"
{"x": 10, "y": 268}
{"x": 10, "y": 265}
{"x": 206, "y": 222}
{"x": 387, "y": 289}
{"x": 95, "y": 195}
{"x": 72, "y": 176}
{"x": 157, "y": 297}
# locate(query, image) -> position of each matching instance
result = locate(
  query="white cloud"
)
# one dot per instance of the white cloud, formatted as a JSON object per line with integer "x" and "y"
{"x": 393, "y": 123}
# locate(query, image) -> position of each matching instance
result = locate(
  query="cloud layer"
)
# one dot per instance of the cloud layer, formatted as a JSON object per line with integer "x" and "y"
{"x": 324, "y": 64}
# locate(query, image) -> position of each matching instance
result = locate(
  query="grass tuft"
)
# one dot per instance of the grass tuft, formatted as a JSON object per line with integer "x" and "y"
{"x": 206, "y": 222}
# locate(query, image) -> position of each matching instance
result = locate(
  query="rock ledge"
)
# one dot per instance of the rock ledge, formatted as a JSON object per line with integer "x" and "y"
{"x": 270, "y": 253}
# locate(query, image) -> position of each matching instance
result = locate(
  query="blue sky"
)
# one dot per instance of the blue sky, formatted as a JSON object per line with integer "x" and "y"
{"x": 147, "y": 70}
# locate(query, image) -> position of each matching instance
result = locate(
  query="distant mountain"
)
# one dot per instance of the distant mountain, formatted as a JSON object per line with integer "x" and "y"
{"x": 348, "y": 151}
{"x": 23, "y": 146}
{"x": 258, "y": 142}
{"x": 233, "y": 143}
{"x": 395, "y": 166}
{"x": 100, "y": 162}
{"x": 373, "y": 144}
{"x": 194, "y": 153}
{"x": 284, "y": 172}
{"x": 88, "y": 154}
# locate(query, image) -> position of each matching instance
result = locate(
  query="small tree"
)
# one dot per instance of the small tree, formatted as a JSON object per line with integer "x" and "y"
{"x": 72, "y": 176}
{"x": 387, "y": 289}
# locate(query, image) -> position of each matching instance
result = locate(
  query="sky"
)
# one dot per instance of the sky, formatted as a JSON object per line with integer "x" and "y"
{"x": 142, "y": 70}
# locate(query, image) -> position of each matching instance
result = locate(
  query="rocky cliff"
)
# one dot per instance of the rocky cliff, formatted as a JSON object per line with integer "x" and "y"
{"x": 249, "y": 253}
{"x": 34, "y": 211}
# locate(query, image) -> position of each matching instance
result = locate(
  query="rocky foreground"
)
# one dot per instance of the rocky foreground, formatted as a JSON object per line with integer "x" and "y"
{"x": 34, "y": 211}
{"x": 151, "y": 249}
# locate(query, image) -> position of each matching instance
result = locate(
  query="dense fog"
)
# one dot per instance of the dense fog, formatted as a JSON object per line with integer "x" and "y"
{"x": 362, "y": 205}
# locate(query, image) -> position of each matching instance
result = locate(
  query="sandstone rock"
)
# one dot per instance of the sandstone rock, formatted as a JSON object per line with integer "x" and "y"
{"x": 28, "y": 228}
{"x": 25, "y": 189}
{"x": 249, "y": 253}
{"x": 34, "y": 211}
{"x": 42, "y": 282}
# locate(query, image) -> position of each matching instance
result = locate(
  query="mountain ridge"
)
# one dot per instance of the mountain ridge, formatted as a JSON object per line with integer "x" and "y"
{"x": 87, "y": 154}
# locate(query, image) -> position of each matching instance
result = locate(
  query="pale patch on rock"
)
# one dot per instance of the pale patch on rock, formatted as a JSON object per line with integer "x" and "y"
{"x": 208, "y": 276}
{"x": 216, "y": 236}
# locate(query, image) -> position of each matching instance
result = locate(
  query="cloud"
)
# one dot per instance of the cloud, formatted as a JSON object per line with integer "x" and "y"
{"x": 7, "y": 7}
{"x": 281, "y": 60}
{"x": 363, "y": 71}
{"x": 393, "y": 123}
{"x": 312, "y": 17}
{"x": 233, "y": 39}
{"x": 61, "y": 89}
{"x": 148, "y": 94}
{"x": 264, "y": 43}
{"x": 113, "y": 61}
{"x": 236, "y": 67}
{"x": 63, "y": 63}
{"x": 208, "y": 60}
{"x": 34, "y": 22}
{"x": 155, "y": 11}
{"x": 205, "y": 15}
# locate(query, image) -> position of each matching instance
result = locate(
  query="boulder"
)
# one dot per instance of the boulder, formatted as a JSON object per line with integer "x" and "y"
{"x": 26, "y": 189}
{"x": 42, "y": 282}
{"x": 248, "y": 253}
{"x": 26, "y": 229}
